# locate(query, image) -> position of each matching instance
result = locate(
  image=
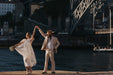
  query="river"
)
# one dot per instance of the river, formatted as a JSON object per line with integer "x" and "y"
{"x": 66, "y": 59}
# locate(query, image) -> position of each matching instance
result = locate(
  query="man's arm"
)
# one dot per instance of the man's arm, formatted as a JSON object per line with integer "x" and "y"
{"x": 41, "y": 32}
{"x": 58, "y": 43}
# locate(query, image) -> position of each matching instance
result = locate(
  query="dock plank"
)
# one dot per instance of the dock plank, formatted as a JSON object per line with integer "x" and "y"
{"x": 38, "y": 72}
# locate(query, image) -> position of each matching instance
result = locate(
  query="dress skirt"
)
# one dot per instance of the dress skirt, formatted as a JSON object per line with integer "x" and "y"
{"x": 26, "y": 50}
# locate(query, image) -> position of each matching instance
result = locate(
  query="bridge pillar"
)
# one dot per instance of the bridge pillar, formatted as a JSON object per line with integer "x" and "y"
{"x": 59, "y": 23}
{"x": 49, "y": 21}
{"x": 67, "y": 24}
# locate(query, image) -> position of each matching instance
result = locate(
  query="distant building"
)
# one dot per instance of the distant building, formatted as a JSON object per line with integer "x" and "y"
{"x": 9, "y": 0}
{"x": 6, "y": 7}
{"x": 16, "y": 8}
{"x": 17, "y": 11}
{"x": 6, "y": 28}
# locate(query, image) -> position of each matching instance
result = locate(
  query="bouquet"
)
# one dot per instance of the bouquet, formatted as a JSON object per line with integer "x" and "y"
{"x": 12, "y": 48}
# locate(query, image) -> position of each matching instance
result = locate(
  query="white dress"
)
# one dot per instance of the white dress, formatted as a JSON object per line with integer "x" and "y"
{"x": 26, "y": 50}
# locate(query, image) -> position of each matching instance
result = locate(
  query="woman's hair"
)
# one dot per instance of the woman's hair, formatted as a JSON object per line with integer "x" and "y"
{"x": 29, "y": 34}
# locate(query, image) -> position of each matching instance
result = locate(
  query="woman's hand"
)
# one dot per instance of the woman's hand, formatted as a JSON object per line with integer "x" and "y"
{"x": 37, "y": 27}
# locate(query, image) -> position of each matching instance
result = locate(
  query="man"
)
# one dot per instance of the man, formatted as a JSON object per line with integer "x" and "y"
{"x": 50, "y": 45}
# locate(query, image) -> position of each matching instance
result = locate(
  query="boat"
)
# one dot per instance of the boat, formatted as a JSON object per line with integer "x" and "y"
{"x": 102, "y": 49}
{"x": 106, "y": 48}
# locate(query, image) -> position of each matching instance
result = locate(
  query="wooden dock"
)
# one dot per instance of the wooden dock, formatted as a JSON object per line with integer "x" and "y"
{"x": 38, "y": 72}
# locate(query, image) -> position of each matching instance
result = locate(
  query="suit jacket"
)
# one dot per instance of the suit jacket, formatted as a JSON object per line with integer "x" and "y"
{"x": 56, "y": 43}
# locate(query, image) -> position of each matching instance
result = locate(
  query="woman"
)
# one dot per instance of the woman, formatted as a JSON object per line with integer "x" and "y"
{"x": 26, "y": 50}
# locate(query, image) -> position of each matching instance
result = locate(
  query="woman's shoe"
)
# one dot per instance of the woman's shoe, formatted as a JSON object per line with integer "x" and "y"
{"x": 27, "y": 72}
{"x": 30, "y": 72}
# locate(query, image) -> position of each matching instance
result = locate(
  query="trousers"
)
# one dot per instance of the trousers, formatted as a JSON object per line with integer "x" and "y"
{"x": 49, "y": 54}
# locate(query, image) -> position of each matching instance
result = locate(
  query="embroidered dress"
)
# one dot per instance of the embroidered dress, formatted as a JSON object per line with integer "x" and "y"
{"x": 26, "y": 50}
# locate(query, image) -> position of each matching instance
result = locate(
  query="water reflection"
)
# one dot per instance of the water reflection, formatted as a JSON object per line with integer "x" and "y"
{"x": 103, "y": 61}
{"x": 66, "y": 59}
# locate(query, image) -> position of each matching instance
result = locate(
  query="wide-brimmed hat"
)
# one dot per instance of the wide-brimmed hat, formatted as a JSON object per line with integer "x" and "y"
{"x": 50, "y": 32}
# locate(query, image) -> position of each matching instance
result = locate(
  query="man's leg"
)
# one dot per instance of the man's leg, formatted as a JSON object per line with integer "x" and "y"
{"x": 52, "y": 61}
{"x": 46, "y": 61}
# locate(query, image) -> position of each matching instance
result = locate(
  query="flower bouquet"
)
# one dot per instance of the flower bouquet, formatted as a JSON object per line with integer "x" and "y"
{"x": 12, "y": 48}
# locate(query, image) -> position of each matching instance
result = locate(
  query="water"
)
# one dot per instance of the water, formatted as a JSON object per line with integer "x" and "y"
{"x": 71, "y": 60}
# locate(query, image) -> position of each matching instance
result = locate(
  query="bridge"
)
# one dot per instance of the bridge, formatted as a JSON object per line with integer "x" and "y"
{"x": 81, "y": 15}
{"x": 82, "y": 10}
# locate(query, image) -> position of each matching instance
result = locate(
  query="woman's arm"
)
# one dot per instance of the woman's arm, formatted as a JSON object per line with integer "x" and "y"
{"x": 33, "y": 33}
{"x": 20, "y": 42}
{"x": 32, "y": 37}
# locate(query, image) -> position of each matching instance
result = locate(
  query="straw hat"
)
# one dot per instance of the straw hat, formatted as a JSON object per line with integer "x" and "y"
{"x": 49, "y": 32}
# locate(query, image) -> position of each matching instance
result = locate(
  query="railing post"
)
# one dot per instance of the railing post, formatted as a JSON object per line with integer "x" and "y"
{"x": 110, "y": 26}
{"x": 94, "y": 17}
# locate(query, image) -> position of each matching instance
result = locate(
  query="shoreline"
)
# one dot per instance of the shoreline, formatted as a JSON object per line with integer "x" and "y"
{"x": 61, "y": 47}
{"x": 8, "y": 43}
{"x": 66, "y": 42}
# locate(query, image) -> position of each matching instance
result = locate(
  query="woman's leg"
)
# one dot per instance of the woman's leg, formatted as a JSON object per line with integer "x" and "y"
{"x": 27, "y": 70}
{"x": 30, "y": 69}
{"x": 26, "y": 63}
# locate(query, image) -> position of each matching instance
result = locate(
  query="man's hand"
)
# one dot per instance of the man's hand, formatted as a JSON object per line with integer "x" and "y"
{"x": 37, "y": 27}
{"x": 14, "y": 45}
{"x": 55, "y": 48}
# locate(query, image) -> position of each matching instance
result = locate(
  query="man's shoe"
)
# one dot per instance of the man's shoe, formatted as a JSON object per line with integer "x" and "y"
{"x": 53, "y": 72}
{"x": 44, "y": 72}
